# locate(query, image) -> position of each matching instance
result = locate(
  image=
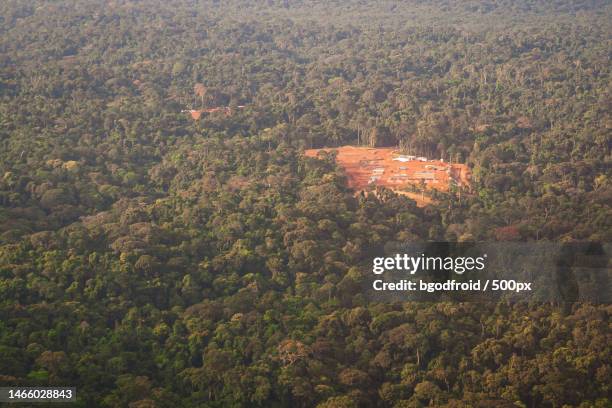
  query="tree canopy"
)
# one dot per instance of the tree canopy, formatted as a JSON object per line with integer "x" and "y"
{"x": 153, "y": 260}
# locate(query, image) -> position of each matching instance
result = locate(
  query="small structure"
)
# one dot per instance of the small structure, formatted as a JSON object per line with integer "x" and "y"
{"x": 404, "y": 159}
{"x": 424, "y": 175}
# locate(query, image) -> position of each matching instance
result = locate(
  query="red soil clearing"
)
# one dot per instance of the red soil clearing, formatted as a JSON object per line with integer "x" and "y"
{"x": 365, "y": 166}
{"x": 197, "y": 114}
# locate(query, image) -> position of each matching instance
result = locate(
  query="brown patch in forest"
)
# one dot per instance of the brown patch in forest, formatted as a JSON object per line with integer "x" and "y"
{"x": 365, "y": 167}
{"x": 196, "y": 114}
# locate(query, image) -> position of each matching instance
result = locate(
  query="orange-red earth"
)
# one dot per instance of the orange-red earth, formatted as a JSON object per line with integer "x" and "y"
{"x": 366, "y": 166}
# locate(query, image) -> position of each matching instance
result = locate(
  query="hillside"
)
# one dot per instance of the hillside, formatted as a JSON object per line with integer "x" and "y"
{"x": 154, "y": 260}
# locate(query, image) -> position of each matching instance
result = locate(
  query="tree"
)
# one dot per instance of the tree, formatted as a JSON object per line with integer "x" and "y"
{"x": 200, "y": 91}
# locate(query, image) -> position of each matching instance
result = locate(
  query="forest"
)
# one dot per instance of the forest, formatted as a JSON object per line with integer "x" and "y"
{"x": 152, "y": 260}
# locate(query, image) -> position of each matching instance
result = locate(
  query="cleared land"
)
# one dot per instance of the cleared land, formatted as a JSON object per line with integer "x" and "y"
{"x": 365, "y": 166}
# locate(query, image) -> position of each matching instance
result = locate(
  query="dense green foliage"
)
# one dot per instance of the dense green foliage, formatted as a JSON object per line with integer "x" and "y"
{"x": 155, "y": 261}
